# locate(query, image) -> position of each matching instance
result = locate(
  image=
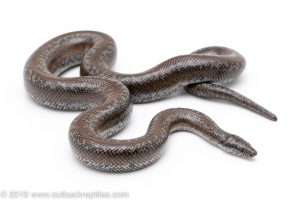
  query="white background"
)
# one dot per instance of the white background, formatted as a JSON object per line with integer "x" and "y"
{"x": 34, "y": 149}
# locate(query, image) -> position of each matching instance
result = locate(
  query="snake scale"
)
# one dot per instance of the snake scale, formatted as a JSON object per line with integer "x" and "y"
{"x": 107, "y": 97}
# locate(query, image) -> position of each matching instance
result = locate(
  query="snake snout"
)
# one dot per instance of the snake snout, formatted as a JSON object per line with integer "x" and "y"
{"x": 238, "y": 146}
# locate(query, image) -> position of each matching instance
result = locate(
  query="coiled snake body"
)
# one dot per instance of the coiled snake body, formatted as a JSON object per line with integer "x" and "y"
{"x": 107, "y": 97}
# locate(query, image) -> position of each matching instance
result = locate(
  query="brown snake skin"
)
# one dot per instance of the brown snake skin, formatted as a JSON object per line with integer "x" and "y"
{"x": 107, "y": 97}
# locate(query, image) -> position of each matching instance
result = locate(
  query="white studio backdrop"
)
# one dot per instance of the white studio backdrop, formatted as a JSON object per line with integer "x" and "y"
{"x": 35, "y": 152}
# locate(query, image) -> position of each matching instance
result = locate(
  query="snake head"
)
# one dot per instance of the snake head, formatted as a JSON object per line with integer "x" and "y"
{"x": 238, "y": 146}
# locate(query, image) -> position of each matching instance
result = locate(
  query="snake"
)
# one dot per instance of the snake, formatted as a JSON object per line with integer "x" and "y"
{"x": 106, "y": 98}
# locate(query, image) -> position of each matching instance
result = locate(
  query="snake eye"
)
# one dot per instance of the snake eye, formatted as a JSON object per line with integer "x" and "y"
{"x": 238, "y": 146}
